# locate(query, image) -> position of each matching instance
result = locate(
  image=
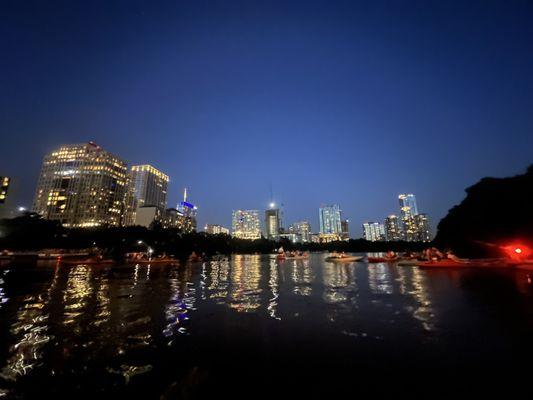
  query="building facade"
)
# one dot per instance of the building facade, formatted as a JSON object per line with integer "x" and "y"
{"x": 216, "y": 229}
{"x": 272, "y": 223}
{"x": 408, "y": 210}
{"x": 393, "y": 230}
{"x": 330, "y": 220}
{"x": 373, "y": 231}
{"x": 147, "y": 186}
{"x": 81, "y": 185}
{"x": 188, "y": 212}
{"x": 345, "y": 229}
{"x": 245, "y": 224}
{"x": 423, "y": 233}
{"x": 302, "y": 229}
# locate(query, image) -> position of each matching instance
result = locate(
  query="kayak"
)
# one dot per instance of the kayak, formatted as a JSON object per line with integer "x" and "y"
{"x": 381, "y": 259}
{"x": 344, "y": 259}
{"x": 465, "y": 264}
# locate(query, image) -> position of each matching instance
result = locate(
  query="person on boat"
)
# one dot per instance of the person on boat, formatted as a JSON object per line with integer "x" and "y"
{"x": 450, "y": 256}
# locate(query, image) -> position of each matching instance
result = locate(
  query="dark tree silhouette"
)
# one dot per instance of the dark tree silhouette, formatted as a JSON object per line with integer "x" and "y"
{"x": 495, "y": 212}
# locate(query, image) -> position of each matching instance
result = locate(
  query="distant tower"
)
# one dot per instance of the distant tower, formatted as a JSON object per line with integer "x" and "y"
{"x": 408, "y": 210}
{"x": 393, "y": 230}
{"x": 373, "y": 231}
{"x": 187, "y": 212}
{"x": 330, "y": 219}
{"x": 272, "y": 222}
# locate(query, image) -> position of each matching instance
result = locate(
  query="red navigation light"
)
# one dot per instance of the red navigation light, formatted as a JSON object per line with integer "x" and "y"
{"x": 517, "y": 251}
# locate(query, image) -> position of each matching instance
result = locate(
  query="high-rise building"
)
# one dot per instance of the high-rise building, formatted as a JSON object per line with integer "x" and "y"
{"x": 393, "y": 231}
{"x": 216, "y": 229}
{"x": 173, "y": 219}
{"x": 408, "y": 210}
{"x": 81, "y": 185}
{"x": 302, "y": 229}
{"x": 4, "y": 186}
{"x": 423, "y": 233}
{"x": 147, "y": 186}
{"x": 373, "y": 231}
{"x": 272, "y": 223}
{"x": 245, "y": 224}
{"x": 345, "y": 229}
{"x": 188, "y": 211}
{"x": 330, "y": 220}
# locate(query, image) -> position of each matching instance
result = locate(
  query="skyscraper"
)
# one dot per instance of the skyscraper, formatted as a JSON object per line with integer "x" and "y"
{"x": 373, "y": 231}
{"x": 245, "y": 224}
{"x": 147, "y": 186}
{"x": 272, "y": 223}
{"x": 302, "y": 229}
{"x": 188, "y": 211}
{"x": 330, "y": 220}
{"x": 345, "y": 229}
{"x": 423, "y": 233}
{"x": 81, "y": 185}
{"x": 393, "y": 231}
{"x": 408, "y": 210}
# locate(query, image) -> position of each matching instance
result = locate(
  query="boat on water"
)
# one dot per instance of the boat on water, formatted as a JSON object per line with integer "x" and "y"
{"x": 340, "y": 258}
{"x": 292, "y": 256}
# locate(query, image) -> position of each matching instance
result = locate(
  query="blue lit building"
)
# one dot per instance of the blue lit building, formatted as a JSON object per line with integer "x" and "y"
{"x": 330, "y": 220}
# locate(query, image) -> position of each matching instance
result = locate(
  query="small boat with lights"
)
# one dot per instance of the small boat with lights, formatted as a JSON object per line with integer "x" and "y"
{"x": 343, "y": 258}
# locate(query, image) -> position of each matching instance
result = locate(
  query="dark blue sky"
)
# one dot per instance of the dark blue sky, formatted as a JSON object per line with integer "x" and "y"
{"x": 328, "y": 102}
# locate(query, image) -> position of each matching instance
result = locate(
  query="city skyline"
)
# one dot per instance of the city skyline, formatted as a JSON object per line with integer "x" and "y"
{"x": 228, "y": 94}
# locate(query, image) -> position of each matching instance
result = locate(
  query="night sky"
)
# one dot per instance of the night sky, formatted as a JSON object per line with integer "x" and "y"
{"x": 325, "y": 102}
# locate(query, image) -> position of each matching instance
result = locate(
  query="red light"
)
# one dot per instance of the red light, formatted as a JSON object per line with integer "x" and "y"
{"x": 518, "y": 250}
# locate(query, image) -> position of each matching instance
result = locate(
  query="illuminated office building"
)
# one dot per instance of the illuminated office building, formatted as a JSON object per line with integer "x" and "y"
{"x": 408, "y": 210}
{"x": 330, "y": 220}
{"x": 81, "y": 185}
{"x": 245, "y": 224}
{"x": 188, "y": 213}
{"x": 393, "y": 231}
{"x": 373, "y": 231}
{"x": 302, "y": 229}
{"x": 216, "y": 229}
{"x": 422, "y": 228}
{"x": 272, "y": 223}
{"x": 4, "y": 186}
{"x": 147, "y": 186}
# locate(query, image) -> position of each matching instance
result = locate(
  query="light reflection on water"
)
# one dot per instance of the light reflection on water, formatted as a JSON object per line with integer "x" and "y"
{"x": 119, "y": 321}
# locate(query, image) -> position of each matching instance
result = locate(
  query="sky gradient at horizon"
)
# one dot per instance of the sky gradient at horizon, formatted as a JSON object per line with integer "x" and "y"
{"x": 324, "y": 101}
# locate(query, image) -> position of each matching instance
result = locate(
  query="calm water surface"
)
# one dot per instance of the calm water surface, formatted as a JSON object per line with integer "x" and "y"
{"x": 249, "y": 326}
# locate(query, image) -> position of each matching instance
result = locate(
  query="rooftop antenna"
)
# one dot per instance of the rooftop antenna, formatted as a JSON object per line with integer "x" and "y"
{"x": 185, "y": 195}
